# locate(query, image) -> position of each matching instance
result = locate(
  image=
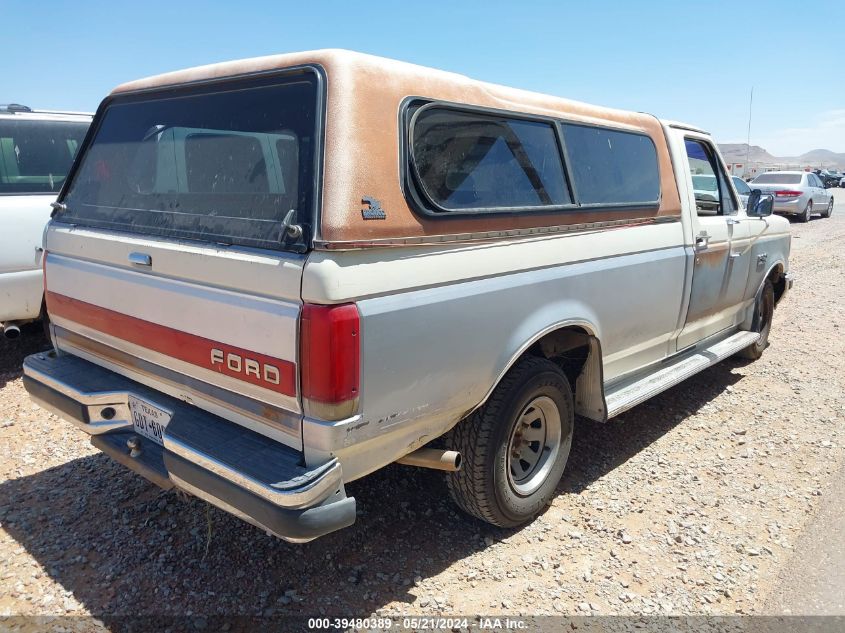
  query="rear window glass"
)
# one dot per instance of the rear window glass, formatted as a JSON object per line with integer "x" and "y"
{"x": 225, "y": 163}
{"x": 35, "y": 156}
{"x": 778, "y": 179}
{"x": 221, "y": 164}
{"x": 610, "y": 167}
{"x": 469, "y": 161}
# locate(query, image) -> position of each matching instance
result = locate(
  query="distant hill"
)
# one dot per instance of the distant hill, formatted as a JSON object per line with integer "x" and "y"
{"x": 739, "y": 153}
{"x": 824, "y": 156}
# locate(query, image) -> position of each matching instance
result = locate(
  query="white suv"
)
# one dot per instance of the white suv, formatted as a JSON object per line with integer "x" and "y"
{"x": 36, "y": 151}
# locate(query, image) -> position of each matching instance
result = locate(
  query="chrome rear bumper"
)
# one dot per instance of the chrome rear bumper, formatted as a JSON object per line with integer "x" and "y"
{"x": 245, "y": 473}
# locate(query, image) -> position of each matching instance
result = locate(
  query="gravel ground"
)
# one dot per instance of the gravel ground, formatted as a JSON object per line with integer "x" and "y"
{"x": 688, "y": 504}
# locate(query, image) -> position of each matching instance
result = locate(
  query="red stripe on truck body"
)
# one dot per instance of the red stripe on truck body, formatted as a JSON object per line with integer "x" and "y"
{"x": 258, "y": 369}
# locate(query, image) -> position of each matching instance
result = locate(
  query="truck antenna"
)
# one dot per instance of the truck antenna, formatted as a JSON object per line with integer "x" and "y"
{"x": 748, "y": 138}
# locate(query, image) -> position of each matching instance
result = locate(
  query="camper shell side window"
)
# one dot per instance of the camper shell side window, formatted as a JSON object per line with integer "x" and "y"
{"x": 464, "y": 160}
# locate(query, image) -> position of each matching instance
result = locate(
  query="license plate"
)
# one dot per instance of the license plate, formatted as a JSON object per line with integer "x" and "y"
{"x": 148, "y": 420}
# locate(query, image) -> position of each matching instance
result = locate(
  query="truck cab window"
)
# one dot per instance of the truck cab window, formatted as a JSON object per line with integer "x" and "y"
{"x": 741, "y": 187}
{"x": 709, "y": 182}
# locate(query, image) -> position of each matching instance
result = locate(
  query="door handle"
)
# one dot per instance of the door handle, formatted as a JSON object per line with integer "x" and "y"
{"x": 702, "y": 242}
{"x": 732, "y": 221}
{"x": 735, "y": 255}
{"x": 140, "y": 259}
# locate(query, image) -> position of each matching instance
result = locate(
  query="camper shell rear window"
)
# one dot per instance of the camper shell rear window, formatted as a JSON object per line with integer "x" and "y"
{"x": 221, "y": 162}
{"x": 467, "y": 160}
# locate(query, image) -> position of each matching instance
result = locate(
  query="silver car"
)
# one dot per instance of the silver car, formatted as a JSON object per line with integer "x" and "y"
{"x": 796, "y": 193}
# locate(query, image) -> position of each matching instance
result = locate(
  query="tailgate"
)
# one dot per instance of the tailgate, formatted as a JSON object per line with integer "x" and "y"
{"x": 209, "y": 326}
{"x": 175, "y": 257}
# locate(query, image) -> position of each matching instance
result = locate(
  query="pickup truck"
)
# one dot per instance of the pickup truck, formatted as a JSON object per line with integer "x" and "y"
{"x": 271, "y": 277}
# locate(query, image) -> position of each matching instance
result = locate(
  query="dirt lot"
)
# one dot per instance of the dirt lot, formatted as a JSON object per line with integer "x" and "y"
{"x": 690, "y": 503}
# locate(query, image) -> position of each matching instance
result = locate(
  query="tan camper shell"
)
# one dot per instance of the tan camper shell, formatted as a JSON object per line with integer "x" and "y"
{"x": 268, "y": 278}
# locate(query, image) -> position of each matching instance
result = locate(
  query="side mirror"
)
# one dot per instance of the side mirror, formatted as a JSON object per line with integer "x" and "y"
{"x": 759, "y": 205}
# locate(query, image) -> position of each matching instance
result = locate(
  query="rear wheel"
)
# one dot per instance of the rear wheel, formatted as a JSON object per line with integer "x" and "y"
{"x": 764, "y": 311}
{"x": 829, "y": 211}
{"x": 515, "y": 447}
{"x": 808, "y": 212}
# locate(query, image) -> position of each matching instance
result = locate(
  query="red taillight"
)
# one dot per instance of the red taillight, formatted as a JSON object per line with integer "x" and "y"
{"x": 330, "y": 353}
{"x": 788, "y": 194}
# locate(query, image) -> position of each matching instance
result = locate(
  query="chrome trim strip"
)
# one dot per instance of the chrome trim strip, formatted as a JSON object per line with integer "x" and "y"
{"x": 481, "y": 236}
{"x": 326, "y": 483}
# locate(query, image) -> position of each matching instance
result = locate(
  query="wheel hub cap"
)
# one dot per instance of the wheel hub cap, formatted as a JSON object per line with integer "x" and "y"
{"x": 534, "y": 445}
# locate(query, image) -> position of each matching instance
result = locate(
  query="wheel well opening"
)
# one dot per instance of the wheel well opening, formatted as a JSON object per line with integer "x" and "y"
{"x": 778, "y": 282}
{"x": 569, "y": 347}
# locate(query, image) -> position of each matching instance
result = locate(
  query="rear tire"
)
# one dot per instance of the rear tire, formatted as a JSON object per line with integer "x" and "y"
{"x": 514, "y": 448}
{"x": 764, "y": 311}
{"x": 808, "y": 212}
{"x": 829, "y": 211}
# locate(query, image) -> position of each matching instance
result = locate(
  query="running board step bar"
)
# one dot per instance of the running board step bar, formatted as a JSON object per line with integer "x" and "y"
{"x": 629, "y": 394}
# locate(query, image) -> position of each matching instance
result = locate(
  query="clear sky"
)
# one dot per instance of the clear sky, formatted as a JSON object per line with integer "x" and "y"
{"x": 691, "y": 61}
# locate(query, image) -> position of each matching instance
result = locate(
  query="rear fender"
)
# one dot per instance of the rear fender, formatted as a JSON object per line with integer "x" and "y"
{"x": 589, "y": 392}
